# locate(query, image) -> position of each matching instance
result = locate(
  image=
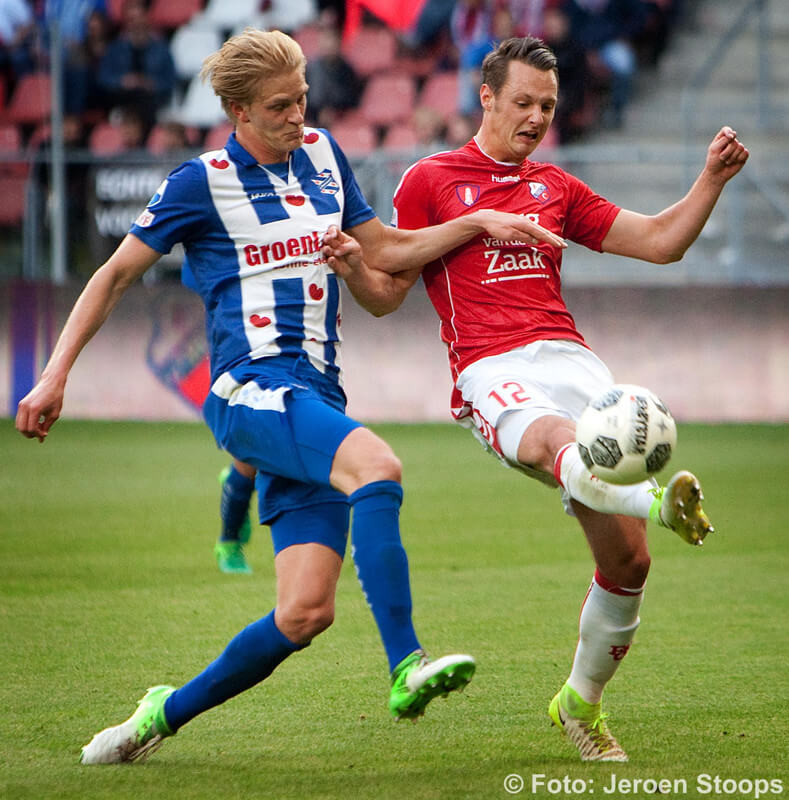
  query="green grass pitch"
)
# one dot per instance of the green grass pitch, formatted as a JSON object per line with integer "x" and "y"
{"x": 108, "y": 586}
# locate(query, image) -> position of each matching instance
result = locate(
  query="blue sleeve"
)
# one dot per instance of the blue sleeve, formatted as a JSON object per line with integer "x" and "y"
{"x": 180, "y": 210}
{"x": 357, "y": 209}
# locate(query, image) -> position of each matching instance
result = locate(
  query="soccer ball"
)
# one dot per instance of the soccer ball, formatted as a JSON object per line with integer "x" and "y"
{"x": 626, "y": 434}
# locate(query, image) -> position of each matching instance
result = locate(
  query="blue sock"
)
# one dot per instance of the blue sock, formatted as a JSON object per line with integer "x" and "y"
{"x": 234, "y": 505}
{"x": 250, "y": 657}
{"x": 382, "y": 565}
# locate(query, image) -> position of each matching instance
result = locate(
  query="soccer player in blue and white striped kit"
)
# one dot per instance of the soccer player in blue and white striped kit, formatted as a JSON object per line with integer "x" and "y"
{"x": 253, "y": 218}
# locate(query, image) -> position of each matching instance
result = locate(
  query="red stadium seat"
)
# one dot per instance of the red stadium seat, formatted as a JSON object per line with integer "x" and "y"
{"x": 441, "y": 93}
{"x": 32, "y": 100}
{"x": 115, "y": 10}
{"x": 216, "y": 138}
{"x": 106, "y": 139}
{"x": 172, "y": 14}
{"x": 308, "y": 37}
{"x": 372, "y": 50}
{"x": 10, "y": 139}
{"x": 12, "y": 190}
{"x": 355, "y": 138}
{"x": 388, "y": 99}
{"x": 157, "y": 141}
{"x": 399, "y": 137}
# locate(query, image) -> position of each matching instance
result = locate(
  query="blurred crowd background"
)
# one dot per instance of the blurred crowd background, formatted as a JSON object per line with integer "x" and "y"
{"x": 643, "y": 83}
{"x": 400, "y": 76}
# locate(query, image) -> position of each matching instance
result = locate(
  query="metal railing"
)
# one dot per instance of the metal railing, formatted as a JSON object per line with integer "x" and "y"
{"x": 744, "y": 242}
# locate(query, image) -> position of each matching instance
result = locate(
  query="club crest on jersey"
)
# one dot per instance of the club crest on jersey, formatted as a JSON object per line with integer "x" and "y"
{"x": 158, "y": 195}
{"x": 326, "y": 183}
{"x": 468, "y": 193}
{"x": 539, "y": 191}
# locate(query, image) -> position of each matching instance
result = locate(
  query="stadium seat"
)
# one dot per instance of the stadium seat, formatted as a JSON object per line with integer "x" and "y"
{"x": 10, "y": 139}
{"x": 355, "y": 138}
{"x": 172, "y": 14}
{"x": 32, "y": 100}
{"x": 308, "y": 37}
{"x": 105, "y": 139}
{"x": 373, "y": 49}
{"x": 115, "y": 10}
{"x": 200, "y": 107}
{"x": 441, "y": 93}
{"x": 400, "y": 137}
{"x": 215, "y": 138}
{"x": 388, "y": 98}
{"x": 12, "y": 190}
{"x": 156, "y": 142}
{"x": 12, "y": 156}
{"x": 190, "y": 45}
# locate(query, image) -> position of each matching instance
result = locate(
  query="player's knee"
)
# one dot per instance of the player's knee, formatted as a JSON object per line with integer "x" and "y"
{"x": 631, "y": 569}
{"x": 385, "y": 466}
{"x": 302, "y": 623}
{"x": 638, "y": 569}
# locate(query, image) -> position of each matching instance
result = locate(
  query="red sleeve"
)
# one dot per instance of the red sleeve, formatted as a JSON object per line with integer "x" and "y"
{"x": 589, "y": 216}
{"x": 412, "y": 200}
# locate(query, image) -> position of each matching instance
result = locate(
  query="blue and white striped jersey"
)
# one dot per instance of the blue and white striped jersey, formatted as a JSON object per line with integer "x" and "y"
{"x": 252, "y": 235}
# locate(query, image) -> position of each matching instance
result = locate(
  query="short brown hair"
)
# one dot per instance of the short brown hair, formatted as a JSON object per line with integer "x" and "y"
{"x": 528, "y": 49}
{"x": 243, "y": 61}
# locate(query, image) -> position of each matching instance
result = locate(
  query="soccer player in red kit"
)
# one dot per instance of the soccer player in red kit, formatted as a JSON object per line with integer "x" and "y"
{"x": 522, "y": 371}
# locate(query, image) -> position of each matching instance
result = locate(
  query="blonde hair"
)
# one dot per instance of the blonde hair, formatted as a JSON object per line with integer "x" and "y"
{"x": 237, "y": 68}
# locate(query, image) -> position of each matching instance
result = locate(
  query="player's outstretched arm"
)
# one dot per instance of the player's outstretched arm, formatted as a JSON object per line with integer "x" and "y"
{"x": 40, "y": 408}
{"x": 666, "y": 236}
{"x": 376, "y": 291}
{"x": 396, "y": 250}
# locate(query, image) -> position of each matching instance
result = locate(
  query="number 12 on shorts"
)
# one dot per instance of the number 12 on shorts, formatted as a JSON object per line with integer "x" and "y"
{"x": 508, "y": 394}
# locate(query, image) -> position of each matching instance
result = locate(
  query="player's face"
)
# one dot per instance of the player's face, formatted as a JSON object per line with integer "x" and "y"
{"x": 518, "y": 117}
{"x": 272, "y": 125}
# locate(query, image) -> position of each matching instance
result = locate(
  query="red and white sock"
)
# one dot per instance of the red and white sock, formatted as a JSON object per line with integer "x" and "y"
{"x": 608, "y": 623}
{"x": 634, "y": 500}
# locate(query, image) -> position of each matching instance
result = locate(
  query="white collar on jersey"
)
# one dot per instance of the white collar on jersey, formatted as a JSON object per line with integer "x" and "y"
{"x": 503, "y": 163}
{"x": 275, "y": 178}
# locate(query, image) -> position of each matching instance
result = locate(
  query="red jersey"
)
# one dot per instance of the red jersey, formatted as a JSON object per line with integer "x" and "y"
{"x": 494, "y": 296}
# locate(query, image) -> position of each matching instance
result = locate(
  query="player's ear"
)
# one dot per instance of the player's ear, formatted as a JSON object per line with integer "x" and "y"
{"x": 486, "y": 97}
{"x": 238, "y": 111}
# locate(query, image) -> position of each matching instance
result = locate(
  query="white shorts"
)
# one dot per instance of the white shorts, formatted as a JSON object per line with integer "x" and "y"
{"x": 504, "y": 394}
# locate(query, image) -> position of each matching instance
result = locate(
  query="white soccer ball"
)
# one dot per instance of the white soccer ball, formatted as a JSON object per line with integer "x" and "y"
{"x": 626, "y": 434}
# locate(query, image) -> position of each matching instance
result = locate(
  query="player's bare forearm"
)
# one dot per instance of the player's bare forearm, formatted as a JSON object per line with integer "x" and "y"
{"x": 374, "y": 290}
{"x": 396, "y": 250}
{"x": 41, "y": 407}
{"x": 665, "y": 237}
{"x": 380, "y": 292}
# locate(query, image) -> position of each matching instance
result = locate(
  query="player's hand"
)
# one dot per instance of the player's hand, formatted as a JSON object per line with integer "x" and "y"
{"x": 39, "y": 409}
{"x": 726, "y": 155}
{"x": 342, "y": 252}
{"x": 516, "y": 227}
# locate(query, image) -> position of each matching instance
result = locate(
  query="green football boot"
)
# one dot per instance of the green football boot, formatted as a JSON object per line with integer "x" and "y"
{"x": 136, "y": 738}
{"x": 585, "y": 726}
{"x": 230, "y": 557}
{"x": 416, "y": 680}
{"x": 677, "y": 507}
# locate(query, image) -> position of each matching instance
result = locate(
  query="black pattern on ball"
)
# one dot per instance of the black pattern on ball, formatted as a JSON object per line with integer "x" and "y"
{"x": 606, "y": 452}
{"x": 585, "y": 456}
{"x": 607, "y": 400}
{"x": 658, "y": 458}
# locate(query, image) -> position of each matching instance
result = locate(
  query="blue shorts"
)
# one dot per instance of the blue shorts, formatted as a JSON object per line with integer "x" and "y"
{"x": 286, "y": 419}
